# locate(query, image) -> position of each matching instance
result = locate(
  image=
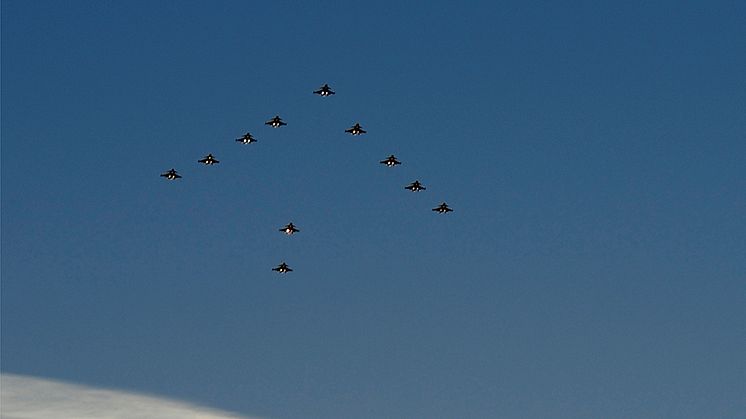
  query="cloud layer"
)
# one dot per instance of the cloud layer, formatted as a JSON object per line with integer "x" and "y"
{"x": 23, "y": 397}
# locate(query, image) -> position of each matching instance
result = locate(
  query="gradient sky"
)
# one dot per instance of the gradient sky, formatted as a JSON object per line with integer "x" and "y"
{"x": 593, "y": 151}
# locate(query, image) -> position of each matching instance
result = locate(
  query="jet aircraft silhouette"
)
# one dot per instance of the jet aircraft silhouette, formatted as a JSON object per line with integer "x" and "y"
{"x": 282, "y": 268}
{"x": 208, "y": 160}
{"x": 246, "y": 139}
{"x": 390, "y": 161}
{"x": 171, "y": 175}
{"x": 356, "y": 129}
{"x": 325, "y": 90}
{"x": 415, "y": 186}
{"x": 275, "y": 122}
{"x": 442, "y": 208}
{"x": 289, "y": 229}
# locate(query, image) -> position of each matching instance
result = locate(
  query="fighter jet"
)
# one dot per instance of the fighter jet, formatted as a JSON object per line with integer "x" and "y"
{"x": 442, "y": 208}
{"x": 415, "y": 186}
{"x": 390, "y": 161}
{"x": 325, "y": 90}
{"x": 289, "y": 229}
{"x": 356, "y": 129}
{"x": 282, "y": 268}
{"x": 171, "y": 175}
{"x": 275, "y": 122}
{"x": 208, "y": 160}
{"x": 246, "y": 139}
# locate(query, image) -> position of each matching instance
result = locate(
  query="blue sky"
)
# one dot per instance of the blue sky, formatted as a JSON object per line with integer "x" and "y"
{"x": 593, "y": 153}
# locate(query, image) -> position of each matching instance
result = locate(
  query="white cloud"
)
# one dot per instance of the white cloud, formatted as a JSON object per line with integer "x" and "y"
{"x": 23, "y": 397}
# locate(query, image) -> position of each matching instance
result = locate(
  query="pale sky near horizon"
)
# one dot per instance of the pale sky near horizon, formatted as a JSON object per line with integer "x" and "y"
{"x": 593, "y": 153}
{"x": 24, "y": 397}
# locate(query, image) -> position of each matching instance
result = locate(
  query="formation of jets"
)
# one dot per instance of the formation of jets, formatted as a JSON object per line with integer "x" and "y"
{"x": 277, "y": 122}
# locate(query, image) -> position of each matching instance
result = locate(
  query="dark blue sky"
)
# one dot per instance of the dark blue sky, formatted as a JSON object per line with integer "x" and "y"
{"x": 594, "y": 265}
